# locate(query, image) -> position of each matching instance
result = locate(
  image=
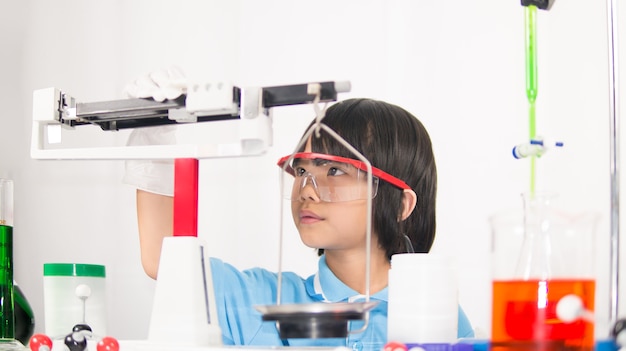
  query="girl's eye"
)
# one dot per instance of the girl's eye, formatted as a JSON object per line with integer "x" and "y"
{"x": 334, "y": 171}
{"x": 299, "y": 171}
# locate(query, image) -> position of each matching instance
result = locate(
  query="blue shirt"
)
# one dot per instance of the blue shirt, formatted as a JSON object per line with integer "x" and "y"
{"x": 238, "y": 292}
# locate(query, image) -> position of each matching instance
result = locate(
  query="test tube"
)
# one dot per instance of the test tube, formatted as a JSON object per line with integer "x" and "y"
{"x": 7, "y": 313}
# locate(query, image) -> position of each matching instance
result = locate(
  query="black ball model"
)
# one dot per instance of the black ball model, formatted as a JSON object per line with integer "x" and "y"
{"x": 75, "y": 341}
{"x": 619, "y": 332}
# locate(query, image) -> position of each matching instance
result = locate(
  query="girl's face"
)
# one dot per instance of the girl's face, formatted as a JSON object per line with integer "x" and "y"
{"x": 328, "y": 225}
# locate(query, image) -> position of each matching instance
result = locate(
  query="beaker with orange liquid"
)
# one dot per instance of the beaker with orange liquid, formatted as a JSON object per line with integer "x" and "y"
{"x": 543, "y": 278}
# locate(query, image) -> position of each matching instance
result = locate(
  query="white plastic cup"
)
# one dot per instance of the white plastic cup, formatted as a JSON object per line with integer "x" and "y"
{"x": 423, "y": 299}
{"x": 74, "y": 294}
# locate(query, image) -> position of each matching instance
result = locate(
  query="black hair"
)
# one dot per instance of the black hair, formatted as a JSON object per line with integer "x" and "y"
{"x": 395, "y": 141}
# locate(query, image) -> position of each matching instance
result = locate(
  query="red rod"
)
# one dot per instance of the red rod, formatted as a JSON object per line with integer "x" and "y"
{"x": 186, "y": 197}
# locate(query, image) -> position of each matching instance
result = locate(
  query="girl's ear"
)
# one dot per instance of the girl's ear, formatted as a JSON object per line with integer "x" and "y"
{"x": 409, "y": 201}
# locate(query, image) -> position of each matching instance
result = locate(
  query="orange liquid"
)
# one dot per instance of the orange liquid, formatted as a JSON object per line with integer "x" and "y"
{"x": 524, "y": 316}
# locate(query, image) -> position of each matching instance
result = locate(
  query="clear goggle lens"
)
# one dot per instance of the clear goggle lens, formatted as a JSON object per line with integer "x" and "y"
{"x": 326, "y": 180}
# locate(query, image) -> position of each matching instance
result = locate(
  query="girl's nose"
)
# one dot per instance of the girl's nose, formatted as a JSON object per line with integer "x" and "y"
{"x": 309, "y": 189}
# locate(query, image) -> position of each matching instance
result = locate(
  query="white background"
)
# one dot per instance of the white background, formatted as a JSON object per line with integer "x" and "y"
{"x": 458, "y": 65}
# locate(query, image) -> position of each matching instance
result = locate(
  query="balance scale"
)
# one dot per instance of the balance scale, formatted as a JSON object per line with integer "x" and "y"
{"x": 184, "y": 270}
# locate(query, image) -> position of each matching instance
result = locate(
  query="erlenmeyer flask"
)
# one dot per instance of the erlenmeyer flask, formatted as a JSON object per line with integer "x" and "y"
{"x": 543, "y": 260}
{"x": 24, "y": 317}
{"x": 535, "y": 257}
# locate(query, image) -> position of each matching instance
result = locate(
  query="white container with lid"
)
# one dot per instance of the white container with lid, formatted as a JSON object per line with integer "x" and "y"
{"x": 74, "y": 293}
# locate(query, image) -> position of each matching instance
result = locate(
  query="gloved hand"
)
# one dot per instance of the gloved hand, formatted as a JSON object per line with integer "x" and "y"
{"x": 160, "y": 85}
{"x": 155, "y": 176}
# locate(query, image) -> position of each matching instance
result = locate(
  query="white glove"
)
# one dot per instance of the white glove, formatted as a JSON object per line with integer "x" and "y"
{"x": 155, "y": 176}
{"x": 160, "y": 85}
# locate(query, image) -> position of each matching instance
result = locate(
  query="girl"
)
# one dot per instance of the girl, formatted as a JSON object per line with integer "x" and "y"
{"x": 329, "y": 199}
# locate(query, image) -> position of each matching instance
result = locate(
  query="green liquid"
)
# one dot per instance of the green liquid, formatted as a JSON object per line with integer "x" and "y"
{"x": 531, "y": 79}
{"x": 531, "y": 52}
{"x": 531, "y": 118}
{"x": 7, "y": 316}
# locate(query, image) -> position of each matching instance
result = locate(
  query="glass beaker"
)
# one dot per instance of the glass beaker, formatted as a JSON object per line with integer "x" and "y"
{"x": 543, "y": 278}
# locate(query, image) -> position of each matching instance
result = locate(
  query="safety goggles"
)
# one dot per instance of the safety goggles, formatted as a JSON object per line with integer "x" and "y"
{"x": 332, "y": 178}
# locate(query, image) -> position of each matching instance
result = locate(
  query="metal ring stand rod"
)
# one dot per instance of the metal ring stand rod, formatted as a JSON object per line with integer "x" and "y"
{"x": 614, "y": 156}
